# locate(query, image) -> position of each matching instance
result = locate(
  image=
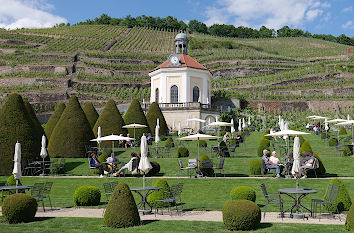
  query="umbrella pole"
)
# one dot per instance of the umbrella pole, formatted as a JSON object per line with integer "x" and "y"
{"x": 198, "y": 159}
{"x": 43, "y": 168}
{"x": 144, "y": 191}
{"x": 112, "y": 146}
{"x": 16, "y": 185}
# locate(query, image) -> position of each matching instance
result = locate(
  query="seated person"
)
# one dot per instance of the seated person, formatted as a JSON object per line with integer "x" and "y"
{"x": 94, "y": 163}
{"x": 226, "y": 138}
{"x": 121, "y": 142}
{"x": 307, "y": 162}
{"x": 274, "y": 159}
{"x": 112, "y": 162}
{"x": 269, "y": 164}
{"x": 128, "y": 143}
{"x": 132, "y": 165}
{"x": 149, "y": 139}
{"x": 289, "y": 163}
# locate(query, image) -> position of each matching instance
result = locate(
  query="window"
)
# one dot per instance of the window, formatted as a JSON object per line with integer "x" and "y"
{"x": 174, "y": 94}
{"x": 157, "y": 95}
{"x": 195, "y": 94}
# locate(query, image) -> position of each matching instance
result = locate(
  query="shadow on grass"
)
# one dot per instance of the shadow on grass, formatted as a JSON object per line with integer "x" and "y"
{"x": 265, "y": 225}
{"x": 40, "y": 219}
{"x": 146, "y": 222}
{"x": 72, "y": 165}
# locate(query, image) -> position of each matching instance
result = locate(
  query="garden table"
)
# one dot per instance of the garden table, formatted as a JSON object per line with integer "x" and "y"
{"x": 11, "y": 188}
{"x": 144, "y": 192}
{"x": 297, "y": 194}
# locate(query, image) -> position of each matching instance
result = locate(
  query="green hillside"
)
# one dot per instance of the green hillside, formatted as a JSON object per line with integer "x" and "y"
{"x": 98, "y": 62}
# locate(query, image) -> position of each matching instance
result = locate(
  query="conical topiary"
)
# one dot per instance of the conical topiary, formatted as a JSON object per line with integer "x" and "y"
{"x": 159, "y": 194}
{"x": 342, "y": 131}
{"x": 305, "y": 147}
{"x": 91, "y": 113}
{"x": 343, "y": 199}
{"x": 16, "y": 125}
{"x": 72, "y": 132}
{"x": 110, "y": 120}
{"x": 53, "y": 120}
{"x": 349, "y": 221}
{"x": 121, "y": 209}
{"x": 34, "y": 119}
{"x": 152, "y": 115}
{"x": 136, "y": 115}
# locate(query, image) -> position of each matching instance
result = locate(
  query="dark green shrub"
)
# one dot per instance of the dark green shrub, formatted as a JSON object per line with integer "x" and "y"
{"x": 72, "y": 132}
{"x": 169, "y": 143}
{"x": 111, "y": 122}
{"x": 155, "y": 170}
{"x": 349, "y": 222}
{"x": 241, "y": 215}
{"x": 16, "y": 125}
{"x": 343, "y": 199}
{"x": 121, "y": 209}
{"x": 53, "y": 120}
{"x": 203, "y": 144}
{"x": 243, "y": 193}
{"x": 342, "y": 131}
{"x": 301, "y": 139}
{"x": 224, "y": 151}
{"x": 38, "y": 129}
{"x": 265, "y": 133}
{"x": 260, "y": 150}
{"x": 305, "y": 147}
{"x": 321, "y": 170}
{"x": 264, "y": 142}
{"x": 11, "y": 181}
{"x": 255, "y": 166}
{"x": 18, "y": 208}
{"x": 87, "y": 196}
{"x": 204, "y": 169}
{"x": 159, "y": 194}
{"x": 332, "y": 142}
{"x": 91, "y": 113}
{"x": 152, "y": 115}
{"x": 347, "y": 151}
{"x": 136, "y": 115}
{"x": 324, "y": 135}
{"x": 182, "y": 152}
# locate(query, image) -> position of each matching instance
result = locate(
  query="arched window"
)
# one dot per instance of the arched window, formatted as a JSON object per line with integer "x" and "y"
{"x": 157, "y": 95}
{"x": 195, "y": 94}
{"x": 174, "y": 94}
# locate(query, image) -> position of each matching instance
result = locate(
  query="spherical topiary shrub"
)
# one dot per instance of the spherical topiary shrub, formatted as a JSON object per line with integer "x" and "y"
{"x": 305, "y": 147}
{"x": 155, "y": 170}
{"x": 11, "y": 181}
{"x": 342, "y": 131}
{"x": 260, "y": 150}
{"x": 19, "y": 207}
{"x": 87, "y": 196}
{"x": 204, "y": 168}
{"x": 121, "y": 209}
{"x": 347, "y": 151}
{"x": 332, "y": 142}
{"x": 243, "y": 193}
{"x": 241, "y": 215}
{"x": 169, "y": 143}
{"x": 203, "y": 144}
{"x": 264, "y": 142}
{"x": 349, "y": 222}
{"x": 159, "y": 194}
{"x": 255, "y": 166}
{"x": 182, "y": 152}
{"x": 343, "y": 199}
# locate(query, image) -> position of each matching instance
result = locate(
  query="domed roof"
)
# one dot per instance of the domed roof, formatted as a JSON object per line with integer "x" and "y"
{"x": 181, "y": 36}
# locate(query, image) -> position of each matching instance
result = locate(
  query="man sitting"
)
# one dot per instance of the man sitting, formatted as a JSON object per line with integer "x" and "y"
{"x": 94, "y": 163}
{"x": 307, "y": 161}
{"x": 269, "y": 164}
{"x": 132, "y": 165}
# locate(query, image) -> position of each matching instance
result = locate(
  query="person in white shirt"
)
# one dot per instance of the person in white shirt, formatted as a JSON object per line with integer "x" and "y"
{"x": 112, "y": 162}
{"x": 132, "y": 165}
{"x": 274, "y": 159}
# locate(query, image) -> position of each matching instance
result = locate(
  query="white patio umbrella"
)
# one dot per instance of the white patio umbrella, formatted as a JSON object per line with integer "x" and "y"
{"x": 157, "y": 129}
{"x": 279, "y": 120}
{"x": 249, "y": 120}
{"x": 219, "y": 124}
{"x": 195, "y": 120}
{"x": 173, "y": 125}
{"x": 44, "y": 152}
{"x": 287, "y": 133}
{"x": 349, "y": 123}
{"x": 134, "y": 126}
{"x": 243, "y": 124}
{"x": 295, "y": 170}
{"x": 232, "y": 126}
{"x": 348, "y": 117}
{"x": 179, "y": 129}
{"x": 99, "y": 136}
{"x": 336, "y": 121}
{"x": 326, "y": 125}
{"x": 17, "y": 163}
{"x": 197, "y": 137}
{"x": 239, "y": 125}
{"x": 112, "y": 138}
{"x": 144, "y": 164}
{"x": 313, "y": 116}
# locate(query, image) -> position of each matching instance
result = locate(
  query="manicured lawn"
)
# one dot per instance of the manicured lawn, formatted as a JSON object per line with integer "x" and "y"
{"x": 198, "y": 194}
{"x": 96, "y": 225}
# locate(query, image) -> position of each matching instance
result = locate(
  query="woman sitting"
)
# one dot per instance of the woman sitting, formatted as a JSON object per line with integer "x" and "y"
{"x": 132, "y": 165}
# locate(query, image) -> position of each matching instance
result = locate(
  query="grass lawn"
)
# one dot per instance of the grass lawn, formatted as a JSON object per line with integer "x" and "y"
{"x": 237, "y": 165}
{"x": 198, "y": 194}
{"x": 96, "y": 225}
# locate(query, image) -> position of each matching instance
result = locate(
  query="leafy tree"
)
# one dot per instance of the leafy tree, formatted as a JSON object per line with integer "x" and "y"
{"x": 136, "y": 115}
{"x": 91, "y": 113}
{"x": 265, "y": 32}
{"x": 153, "y": 113}
{"x": 196, "y": 26}
{"x": 54, "y": 118}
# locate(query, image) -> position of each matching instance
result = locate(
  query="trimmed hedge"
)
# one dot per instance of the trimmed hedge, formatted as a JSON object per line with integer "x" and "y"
{"x": 11, "y": 181}
{"x": 321, "y": 170}
{"x": 342, "y": 131}
{"x": 260, "y": 150}
{"x": 53, "y": 120}
{"x": 305, "y": 147}
{"x": 182, "y": 152}
{"x": 72, "y": 132}
{"x": 349, "y": 222}
{"x": 264, "y": 142}
{"x": 19, "y": 207}
{"x": 255, "y": 166}
{"x": 87, "y": 195}
{"x": 347, "y": 151}
{"x": 169, "y": 143}
{"x": 243, "y": 193}
{"x": 91, "y": 113}
{"x": 159, "y": 194}
{"x": 153, "y": 113}
{"x": 111, "y": 122}
{"x": 136, "y": 115}
{"x": 39, "y": 131}
{"x": 333, "y": 142}
{"x": 265, "y": 133}
{"x": 343, "y": 199}
{"x": 206, "y": 171}
{"x": 155, "y": 170}
{"x": 242, "y": 215}
{"x": 121, "y": 209}
{"x": 16, "y": 125}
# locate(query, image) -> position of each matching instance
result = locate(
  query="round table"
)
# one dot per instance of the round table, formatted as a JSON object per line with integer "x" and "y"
{"x": 11, "y": 188}
{"x": 297, "y": 194}
{"x": 144, "y": 192}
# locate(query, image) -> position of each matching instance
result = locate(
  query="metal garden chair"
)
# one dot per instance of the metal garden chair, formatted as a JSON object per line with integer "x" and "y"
{"x": 46, "y": 192}
{"x": 272, "y": 198}
{"x": 220, "y": 167}
{"x": 330, "y": 201}
{"x": 174, "y": 197}
{"x": 36, "y": 192}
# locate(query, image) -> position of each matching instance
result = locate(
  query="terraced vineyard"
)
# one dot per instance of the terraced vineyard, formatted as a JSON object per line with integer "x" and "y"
{"x": 98, "y": 62}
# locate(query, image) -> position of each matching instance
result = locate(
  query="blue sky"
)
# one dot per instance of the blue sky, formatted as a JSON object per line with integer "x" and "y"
{"x": 317, "y": 16}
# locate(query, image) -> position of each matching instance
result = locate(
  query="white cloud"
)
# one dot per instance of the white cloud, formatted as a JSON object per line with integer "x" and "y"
{"x": 27, "y": 14}
{"x": 271, "y": 13}
{"x": 348, "y": 25}
{"x": 347, "y": 9}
